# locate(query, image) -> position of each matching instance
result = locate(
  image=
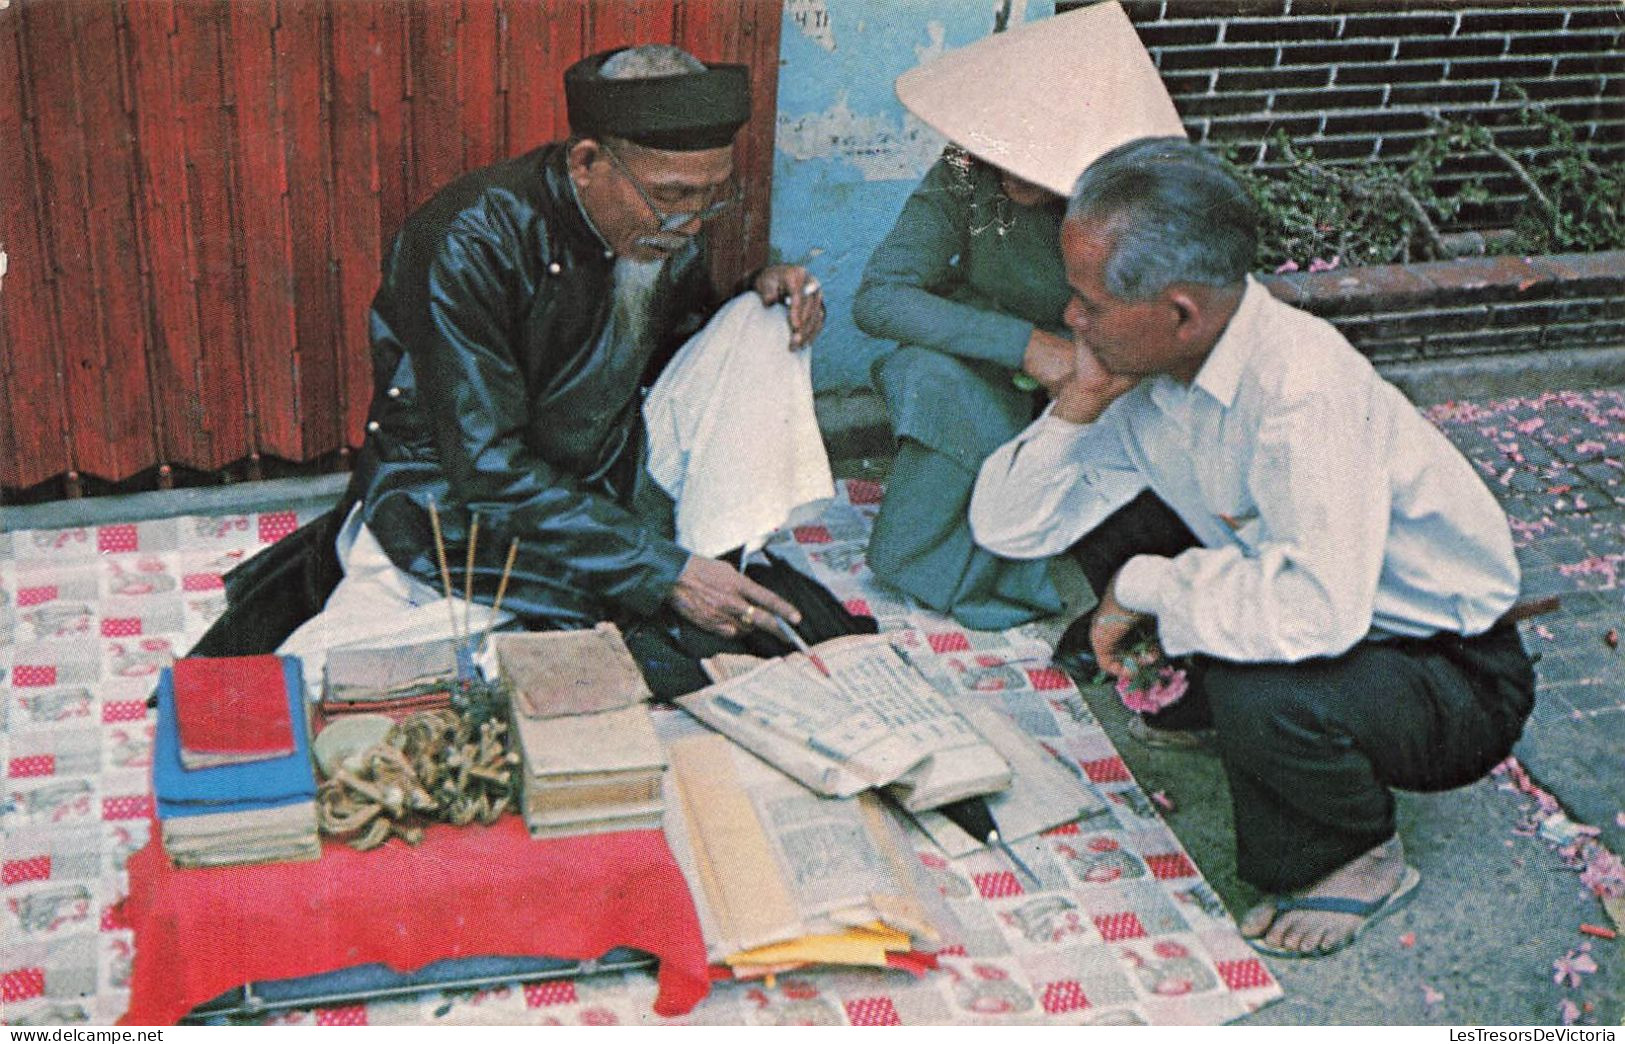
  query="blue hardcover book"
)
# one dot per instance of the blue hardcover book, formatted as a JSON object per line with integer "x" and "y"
{"x": 243, "y": 787}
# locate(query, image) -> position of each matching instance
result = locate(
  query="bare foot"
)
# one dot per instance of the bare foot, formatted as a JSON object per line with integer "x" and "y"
{"x": 1371, "y": 877}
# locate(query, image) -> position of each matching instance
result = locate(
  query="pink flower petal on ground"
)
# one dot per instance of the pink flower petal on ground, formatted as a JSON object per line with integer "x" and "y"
{"x": 1568, "y": 1012}
{"x": 1430, "y": 996}
{"x": 1408, "y": 940}
{"x": 1604, "y": 873}
{"x": 1568, "y": 969}
{"x": 1286, "y": 266}
{"x": 1532, "y": 425}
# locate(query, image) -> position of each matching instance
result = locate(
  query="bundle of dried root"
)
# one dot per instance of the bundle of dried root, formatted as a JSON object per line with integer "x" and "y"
{"x": 433, "y": 766}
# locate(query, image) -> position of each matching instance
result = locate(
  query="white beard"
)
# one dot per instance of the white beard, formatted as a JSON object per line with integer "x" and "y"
{"x": 634, "y": 288}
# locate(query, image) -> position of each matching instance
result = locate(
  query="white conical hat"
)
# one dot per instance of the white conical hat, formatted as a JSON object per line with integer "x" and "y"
{"x": 1045, "y": 100}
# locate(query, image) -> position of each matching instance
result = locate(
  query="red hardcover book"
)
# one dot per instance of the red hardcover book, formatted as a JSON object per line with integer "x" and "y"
{"x": 231, "y": 709}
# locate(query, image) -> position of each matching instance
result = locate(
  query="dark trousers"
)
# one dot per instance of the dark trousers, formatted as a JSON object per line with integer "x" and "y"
{"x": 1313, "y": 750}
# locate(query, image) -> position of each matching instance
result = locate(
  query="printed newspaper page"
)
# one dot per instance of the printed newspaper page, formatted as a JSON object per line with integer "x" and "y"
{"x": 875, "y": 721}
{"x": 775, "y": 863}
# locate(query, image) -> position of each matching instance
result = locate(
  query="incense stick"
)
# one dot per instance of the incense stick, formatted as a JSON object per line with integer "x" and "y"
{"x": 445, "y": 573}
{"x": 502, "y": 589}
{"x": 468, "y": 575}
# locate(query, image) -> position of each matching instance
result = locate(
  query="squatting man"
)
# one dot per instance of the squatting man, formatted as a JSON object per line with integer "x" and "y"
{"x": 1343, "y": 603}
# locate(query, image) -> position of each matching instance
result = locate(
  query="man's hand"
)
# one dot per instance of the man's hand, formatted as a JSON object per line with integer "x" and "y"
{"x": 796, "y": 287}
{"x": 716, "y": 596}
{"x": 1049, "y": 360}
{"x": 1110, "y": 630}
{"x": 1089, "y": 390}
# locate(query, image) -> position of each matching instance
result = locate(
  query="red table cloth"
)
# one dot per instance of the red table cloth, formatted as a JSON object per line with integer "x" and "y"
{"x": 464, "y": 892}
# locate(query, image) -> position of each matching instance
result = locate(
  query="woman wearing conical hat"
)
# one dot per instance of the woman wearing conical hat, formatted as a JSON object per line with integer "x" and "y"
{"x": 970, "y": 286}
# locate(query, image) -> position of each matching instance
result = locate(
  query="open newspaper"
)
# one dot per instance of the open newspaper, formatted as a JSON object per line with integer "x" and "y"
{"x": 782, "y": 877}
{"x": 874, "y": 722}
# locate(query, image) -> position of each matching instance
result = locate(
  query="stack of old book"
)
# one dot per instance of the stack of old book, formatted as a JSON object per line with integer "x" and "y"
{"x": 394, "y": 679}
{"x": 231, "y": 762}
{"x": 590, "y": 759}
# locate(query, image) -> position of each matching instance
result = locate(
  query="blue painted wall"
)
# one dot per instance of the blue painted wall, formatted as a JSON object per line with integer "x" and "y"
{"x": 847, "y": 153}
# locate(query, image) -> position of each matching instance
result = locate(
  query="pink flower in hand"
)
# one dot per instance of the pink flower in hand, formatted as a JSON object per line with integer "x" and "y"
{"x": 1166, "y": 686}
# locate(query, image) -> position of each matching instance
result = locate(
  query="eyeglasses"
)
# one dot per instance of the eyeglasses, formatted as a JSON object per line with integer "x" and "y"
{"x": 732, "y": 192}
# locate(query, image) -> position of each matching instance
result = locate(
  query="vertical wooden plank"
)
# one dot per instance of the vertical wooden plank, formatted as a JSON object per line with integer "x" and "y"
{"x": 761, "y": 22}
{"x": 172, "y": 319}
{"x": 539, "y": 43}
{"x": 437, "y": 152}
{"x": 356, "y": 213}
{"x": 270, "y": 354}
{"x": 526, "y": 60}
{"x": 610, "y": 23}
{"x": 30, "y": 337}
{"x": 302, "y": 101}
{"x": 55, "y": 73}
{"x": 653, "y": 21}
{"x": 744, "y": 32}
{"x": 212, "y": 400}
{"x": 120, "y": 375}
{"x": 567, "y": 40}
{"x": 387, "y": 79}
{"x": 480, "y": 118}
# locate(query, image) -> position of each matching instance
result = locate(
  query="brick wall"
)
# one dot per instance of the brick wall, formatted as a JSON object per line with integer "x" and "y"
{"x": 1444, "y": 310}
{"x": 1356, "y": 79}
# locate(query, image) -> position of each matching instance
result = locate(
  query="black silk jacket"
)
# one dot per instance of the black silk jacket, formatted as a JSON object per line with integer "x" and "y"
{"x": 493, "y": 394}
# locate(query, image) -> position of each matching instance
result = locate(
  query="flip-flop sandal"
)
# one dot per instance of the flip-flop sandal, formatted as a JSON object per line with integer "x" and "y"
{"x": 1373, "y": 910}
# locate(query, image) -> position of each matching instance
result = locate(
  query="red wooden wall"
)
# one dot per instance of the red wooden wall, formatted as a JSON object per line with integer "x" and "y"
{"x": 194, "y": 197}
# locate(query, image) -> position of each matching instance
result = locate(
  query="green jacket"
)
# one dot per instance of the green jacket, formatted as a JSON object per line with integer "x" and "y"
{"x": 959, "y": 284}
{"x": 967, "y": 273}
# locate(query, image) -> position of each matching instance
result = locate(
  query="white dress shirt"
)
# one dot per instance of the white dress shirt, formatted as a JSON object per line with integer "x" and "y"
{"x": 1327, "y": 507}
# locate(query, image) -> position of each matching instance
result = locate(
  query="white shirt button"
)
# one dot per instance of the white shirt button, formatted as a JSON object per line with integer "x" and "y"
{"x": 394, "y": 393}
{"x": 555, "y": 268}
{"x": 373, "y": 427}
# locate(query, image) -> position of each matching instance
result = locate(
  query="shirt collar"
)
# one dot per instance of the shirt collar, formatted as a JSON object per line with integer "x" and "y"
{"x": 1221, "y": 371}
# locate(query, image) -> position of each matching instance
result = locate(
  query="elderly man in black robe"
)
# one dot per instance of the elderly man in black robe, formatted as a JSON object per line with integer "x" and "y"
{"x": 523, "y": 310}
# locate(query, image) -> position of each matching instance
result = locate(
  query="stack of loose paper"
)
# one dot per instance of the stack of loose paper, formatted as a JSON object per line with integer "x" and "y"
{"x": 875, "y": 722}
{"x": 393, "y": 679}
{"x": 783, "y": 878}
{"x": 589, "y": 756}
{"x": 243, "y": 810}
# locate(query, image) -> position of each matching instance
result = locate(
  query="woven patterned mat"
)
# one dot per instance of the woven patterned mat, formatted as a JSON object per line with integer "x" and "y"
{"x": 1124, "y": 929}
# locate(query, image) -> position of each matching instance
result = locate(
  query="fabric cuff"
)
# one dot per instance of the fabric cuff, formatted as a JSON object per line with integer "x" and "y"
{"x": 667, "y": 562}
{"x": 1007, "y": 340}
{"x": 1140, "y": 583}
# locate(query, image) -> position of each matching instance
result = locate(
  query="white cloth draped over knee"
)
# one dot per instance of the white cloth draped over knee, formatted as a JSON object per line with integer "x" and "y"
{"x": 377, "y": 605}
{"x": 732, "y": 434}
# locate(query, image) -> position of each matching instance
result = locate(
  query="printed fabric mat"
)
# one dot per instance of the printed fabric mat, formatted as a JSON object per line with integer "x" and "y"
{"x": 1124, "y": 929}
